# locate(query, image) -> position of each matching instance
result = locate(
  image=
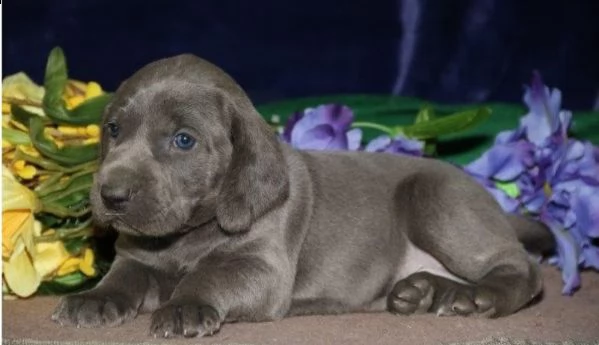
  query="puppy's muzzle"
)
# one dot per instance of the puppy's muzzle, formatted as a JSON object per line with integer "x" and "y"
{"x": 115, "y": 197}
{"x": 117, "y": 190}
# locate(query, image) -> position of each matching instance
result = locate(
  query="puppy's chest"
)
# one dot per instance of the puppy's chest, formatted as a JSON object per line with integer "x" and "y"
{"x": 174, "y": 257}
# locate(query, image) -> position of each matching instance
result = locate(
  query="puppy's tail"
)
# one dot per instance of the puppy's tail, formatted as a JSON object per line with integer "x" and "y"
{"x": 534, "y": 235}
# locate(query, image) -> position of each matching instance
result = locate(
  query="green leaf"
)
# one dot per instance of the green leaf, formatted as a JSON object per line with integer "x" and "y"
{"x": 15, "y": 136}
{"x": 425, "y": 114}
{"x": 72, "y": 185}
{"x": 22, "y": 116}
{"x": 89, "y": 112}
{"x": 55, "y": 81}
{"x": 75, "y": 245}
{"x": 447, "y": 124}
{"x": 68, "y": 156}
{"x": 509, "y": 188}
{"x": 63, "y": 212}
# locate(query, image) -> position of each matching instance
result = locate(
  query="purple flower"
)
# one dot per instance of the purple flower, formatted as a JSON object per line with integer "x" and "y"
{"x": 544, "y": 118}
{"x": 326, "y": 127}
{"x": 398, "y": 145}
{"x": 538, "y": 170}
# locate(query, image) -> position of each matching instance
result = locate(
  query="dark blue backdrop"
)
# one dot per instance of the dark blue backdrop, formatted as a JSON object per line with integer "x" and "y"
{"x": 453, "y": 51}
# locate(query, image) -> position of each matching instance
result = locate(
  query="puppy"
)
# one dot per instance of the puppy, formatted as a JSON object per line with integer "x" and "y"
{"x": 219, "y": 221}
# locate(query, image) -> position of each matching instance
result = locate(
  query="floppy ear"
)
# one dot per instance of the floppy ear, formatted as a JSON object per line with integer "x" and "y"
{"x": 257, "y": 178}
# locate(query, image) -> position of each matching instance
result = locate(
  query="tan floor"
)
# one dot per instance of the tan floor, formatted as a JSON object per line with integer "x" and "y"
{"x": 556, "y": 318}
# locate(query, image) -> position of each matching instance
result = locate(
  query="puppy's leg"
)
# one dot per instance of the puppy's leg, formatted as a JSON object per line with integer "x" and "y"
{"x": 127, "y": 287}
{"x": 462, "y": 227}
{"x": 223, "y": 288}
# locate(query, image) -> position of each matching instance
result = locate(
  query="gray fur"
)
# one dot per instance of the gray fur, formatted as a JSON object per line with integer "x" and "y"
{"x": 243, "y": 227}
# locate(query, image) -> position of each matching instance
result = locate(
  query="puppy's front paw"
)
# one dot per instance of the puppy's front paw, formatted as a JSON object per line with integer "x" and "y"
{"x": 187, "y": 320}
{"x": 93, "y": 310}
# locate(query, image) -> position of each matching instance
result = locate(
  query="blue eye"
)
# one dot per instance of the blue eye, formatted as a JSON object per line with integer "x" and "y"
{"x": 113, "y": 129}
{"x": 184, "y": 141}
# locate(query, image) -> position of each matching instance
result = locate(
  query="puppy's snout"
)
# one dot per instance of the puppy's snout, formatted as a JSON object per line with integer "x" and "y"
{"x": 117, "y": 189}
{"x": 115, "y": 196}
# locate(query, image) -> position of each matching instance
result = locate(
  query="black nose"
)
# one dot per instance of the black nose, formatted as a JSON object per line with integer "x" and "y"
{"x": 115, "y": 196}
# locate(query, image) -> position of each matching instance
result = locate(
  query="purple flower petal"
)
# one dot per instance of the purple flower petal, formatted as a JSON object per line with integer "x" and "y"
{"x": 399, "y": 144}
{"x": 508, "y": 204}
{"x": 502, "y": 162}
{"x": 327, "y": 125}
{"x": 315, "y": 138}
{"x": 291, "y": 122}
{"x": 590, "y": 255}
{"x": 544, "y": 106}
{"x": 567, "y": 258}
{"x": 354, "y": 139}
{"x": 586, "y": 208}
{"x": 378, "y": 144}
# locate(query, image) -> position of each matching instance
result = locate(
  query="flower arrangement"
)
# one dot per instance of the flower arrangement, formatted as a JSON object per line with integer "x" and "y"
{"x": 50, "y": 138}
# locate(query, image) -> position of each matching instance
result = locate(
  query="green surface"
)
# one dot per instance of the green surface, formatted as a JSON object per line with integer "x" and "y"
{"x": 459, "y": 148}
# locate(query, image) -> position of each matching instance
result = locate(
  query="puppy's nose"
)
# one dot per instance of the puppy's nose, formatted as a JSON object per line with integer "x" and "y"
{"x": 115, "y": 196}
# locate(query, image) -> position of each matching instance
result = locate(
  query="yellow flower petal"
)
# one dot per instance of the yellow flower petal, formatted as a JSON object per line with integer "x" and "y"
{"x": 6, "y": 144}
{"x": 73, "y": 102}
{"x": 20, "y": 86}
{"x": 5, "y": 108}
{"x": 27, "y": 173}
{"x": 20, "y": 275}
{"x": 74, "y": 87}
{"x": 49, "y": 257}
{"x": 19, "y": 126}
{"x": 12, "y": 225}
{"x": 87, "y": 264}
{"x": 28, "y": 150}
{"x": 59, "y": 143}
{"x": 16, "y": 196}
{"x": 18, "y": 205}
{"x": 93, "y": 90}
{"x": 70, "y": 265}
{"x": 68, "y": 130}
{"x": 18, "y": 165}
{"x": 91, "y": 141}
{"x": 93, "y": 131}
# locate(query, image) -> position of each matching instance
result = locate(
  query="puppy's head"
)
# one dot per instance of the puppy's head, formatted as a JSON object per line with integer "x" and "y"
{"x": 183, "y": 145}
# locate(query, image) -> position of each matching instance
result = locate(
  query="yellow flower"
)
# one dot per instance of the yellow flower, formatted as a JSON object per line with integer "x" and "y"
{"x": 85, "y": 264}
{"x": 78, "y": 92}
{"x": 18, "y": 227}
{"x": 19, "y": 88}
{"x": 68, "y": 130}
{"x": 93, "y": 131}
{"x": 49, "y": 257}
{"x": 24, "y": 170}
{"x": 24, "y": 263}
{"x": 28, "y": 150}
{"x": 93, "y": 90}
{"x": 73, "y": 102}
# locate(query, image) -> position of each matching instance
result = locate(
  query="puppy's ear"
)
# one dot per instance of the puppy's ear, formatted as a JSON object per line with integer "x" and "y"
{"x": 257, "y": 179}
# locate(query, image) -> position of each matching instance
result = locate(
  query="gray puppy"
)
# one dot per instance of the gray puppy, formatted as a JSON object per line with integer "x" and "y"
{"x": 219, "y": 221}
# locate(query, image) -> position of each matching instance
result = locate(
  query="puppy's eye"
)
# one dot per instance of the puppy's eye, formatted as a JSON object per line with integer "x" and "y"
{"x": 113, "y": 129}
{"x": 184, "y": 141}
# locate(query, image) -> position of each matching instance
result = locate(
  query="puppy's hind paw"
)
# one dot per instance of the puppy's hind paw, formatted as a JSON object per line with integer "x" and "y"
{"x": 411, "y": 295}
